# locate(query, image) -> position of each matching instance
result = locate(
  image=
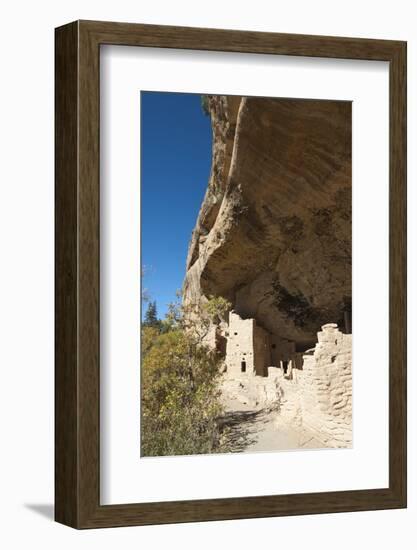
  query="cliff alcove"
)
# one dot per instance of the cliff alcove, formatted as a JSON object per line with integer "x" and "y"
{"x": 273, "y": 235}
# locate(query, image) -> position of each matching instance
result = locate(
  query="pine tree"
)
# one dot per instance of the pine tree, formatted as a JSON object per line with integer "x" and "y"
{"x": 205, "y": 105}
{"x": 151, "y": 316}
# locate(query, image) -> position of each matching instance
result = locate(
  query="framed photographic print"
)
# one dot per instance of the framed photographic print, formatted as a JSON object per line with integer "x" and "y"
{"x": 230, "y": 274}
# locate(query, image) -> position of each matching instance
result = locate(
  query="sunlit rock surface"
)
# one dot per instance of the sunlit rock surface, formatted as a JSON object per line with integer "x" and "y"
{"x": 274, "y": 231}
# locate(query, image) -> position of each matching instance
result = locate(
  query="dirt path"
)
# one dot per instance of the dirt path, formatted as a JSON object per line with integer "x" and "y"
{"x": 257, "y": 430}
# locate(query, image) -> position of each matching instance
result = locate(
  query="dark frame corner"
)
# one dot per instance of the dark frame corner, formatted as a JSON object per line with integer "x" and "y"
{"x": 77, "y": 274}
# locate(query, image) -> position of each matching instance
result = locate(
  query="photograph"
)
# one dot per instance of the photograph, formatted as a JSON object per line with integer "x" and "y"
{"x": 208, "y": 263}
{"x": 246, "y": 274}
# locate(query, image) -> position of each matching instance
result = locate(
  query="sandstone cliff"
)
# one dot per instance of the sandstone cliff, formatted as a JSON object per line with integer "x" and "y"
{"x": 273, "y": 234}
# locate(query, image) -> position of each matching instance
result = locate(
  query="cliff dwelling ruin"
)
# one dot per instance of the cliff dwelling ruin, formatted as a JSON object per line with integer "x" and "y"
{"x": 313, "y": 388}
{"x": 273, "y": 236}
{"x": 251, "y": 349}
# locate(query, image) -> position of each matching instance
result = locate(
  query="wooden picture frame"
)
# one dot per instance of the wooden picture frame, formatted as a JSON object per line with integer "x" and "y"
{"x": 77, "y": 374}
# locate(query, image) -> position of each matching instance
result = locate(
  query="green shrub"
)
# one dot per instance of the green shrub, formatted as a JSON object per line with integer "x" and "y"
{"x": 180, "y": 405}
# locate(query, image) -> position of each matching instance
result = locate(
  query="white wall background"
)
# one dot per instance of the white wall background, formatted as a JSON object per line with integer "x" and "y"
{"x": 26, "y": 271}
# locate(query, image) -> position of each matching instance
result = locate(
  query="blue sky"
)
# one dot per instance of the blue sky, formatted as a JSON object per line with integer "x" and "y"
{"x": 175, "y": 167}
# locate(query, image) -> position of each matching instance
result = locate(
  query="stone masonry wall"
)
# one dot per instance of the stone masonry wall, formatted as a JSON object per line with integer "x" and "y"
{"x": 281, "y": 350}
{"x": 262, "y": 353}
{"x": 240, "y": 345}
{"x": 326, "y": 388}
{"x": 314, "y": 394}
{"x": 247, "y": 344}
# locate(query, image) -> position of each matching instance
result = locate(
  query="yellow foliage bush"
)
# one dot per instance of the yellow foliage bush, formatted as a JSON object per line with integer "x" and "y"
{"x": 180, "y": 398}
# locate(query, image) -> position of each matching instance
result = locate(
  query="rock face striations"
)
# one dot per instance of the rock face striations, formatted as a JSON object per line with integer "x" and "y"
{"x": 273, "y": 235}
